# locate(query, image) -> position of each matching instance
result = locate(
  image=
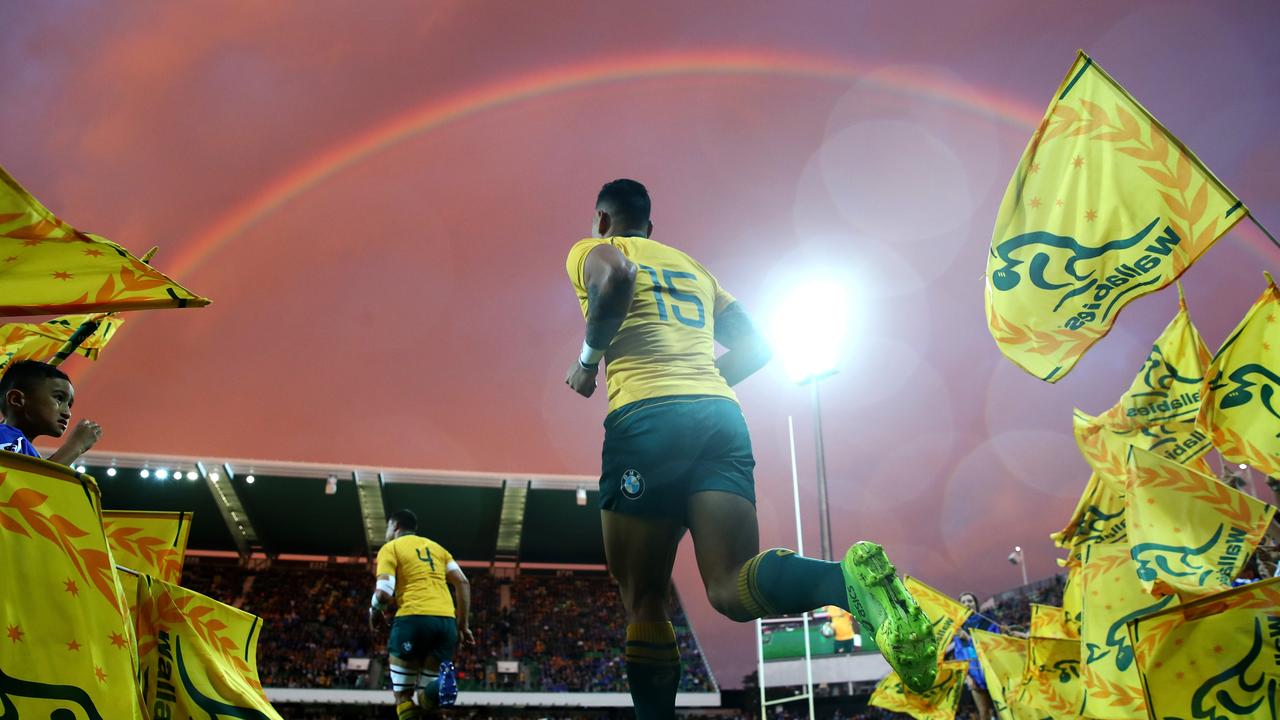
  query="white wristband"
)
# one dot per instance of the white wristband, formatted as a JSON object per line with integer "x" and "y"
{"x": 590, "y": 355}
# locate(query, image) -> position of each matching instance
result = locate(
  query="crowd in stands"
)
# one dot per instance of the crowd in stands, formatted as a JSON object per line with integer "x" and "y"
{"x": 565, "y": 631}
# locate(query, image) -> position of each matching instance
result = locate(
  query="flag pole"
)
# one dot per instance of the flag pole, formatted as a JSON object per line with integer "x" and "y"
{"x": 1266, "y": 232}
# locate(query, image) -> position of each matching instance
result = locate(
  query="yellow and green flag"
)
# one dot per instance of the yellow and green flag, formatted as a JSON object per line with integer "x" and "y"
{"x": 1051, "y": 622}
{"x": 1107, "y": 450}
{"x": 197, "y": 656}
{"x": 1073, "y": 597}
{"x": 48, "y": 267}
{"x": 945, "y": 614}
{"x": 1167, "y": 387}
{"x": 1105, "y": 206}
{"x": 1098, "y": 518}
{"x": 1004, "y": 662}
{"x": 938, "y": 703}
{"x": 1113, "y": 597}
{"x": 1214, "y": 658}
{"x": 1052, "y": 681}
{"x": 67, "y": 648}
{"x": 41, "y": 341}
{"x": 1189, "y": 533}
{"x": 152, "y": 543}
{"x": 1241, "y": 408}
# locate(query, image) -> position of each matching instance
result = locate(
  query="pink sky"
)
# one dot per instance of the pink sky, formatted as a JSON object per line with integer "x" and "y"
{"x": 410, "y": 307}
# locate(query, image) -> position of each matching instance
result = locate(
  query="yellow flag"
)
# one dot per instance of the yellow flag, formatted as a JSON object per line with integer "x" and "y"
{"x": 1215, "y": 658}
{"x": 945, "y": 614}
{"x": 67, "y": 647}
{"x": 1188, "y": 532}
{"x": 1052, "y": 683}
{"x": 1104, "y": 207}
{"x": 1051, "y": 622}
{"x": 198, "y": 656}
{"x": 1098, "y": 518}
{"x": 153, "y": 543}
{"x": 1241, "y": 409}
{"x": 48, "y": 267}
{"x": 1113, "y": 597}
{"x": 1004, "y": 660}
{"x": 1167, "y": 388}
{"x": 1107, "y": 450}
{"x": 1073, "y": 597}
{"x": 41, "y": 341}
{"x": 939, "y": 703}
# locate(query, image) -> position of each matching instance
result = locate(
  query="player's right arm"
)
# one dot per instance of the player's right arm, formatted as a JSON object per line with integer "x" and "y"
{"x": 455, "y": 577}
{"x": 747, "y": 349}
{"x": 609, "y": 280}
{"x": 383, "y": 601}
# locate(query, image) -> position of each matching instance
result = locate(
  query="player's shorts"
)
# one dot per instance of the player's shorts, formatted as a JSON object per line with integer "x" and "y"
{"x": 844, "y": 646}
{"x": 659, "y": 451}
{"x": 414, "y": 638}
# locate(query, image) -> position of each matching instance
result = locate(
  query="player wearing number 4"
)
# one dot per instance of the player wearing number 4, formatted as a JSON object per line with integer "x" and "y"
{"x": 414, "y": 575}
{"x": 677, "y": 456}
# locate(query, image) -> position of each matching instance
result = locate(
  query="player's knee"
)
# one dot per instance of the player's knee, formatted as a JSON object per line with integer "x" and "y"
{"x": 724, "y": 598}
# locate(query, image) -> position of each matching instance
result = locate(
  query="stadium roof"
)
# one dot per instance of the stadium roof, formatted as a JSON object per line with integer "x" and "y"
{"x": 329, "y": 510}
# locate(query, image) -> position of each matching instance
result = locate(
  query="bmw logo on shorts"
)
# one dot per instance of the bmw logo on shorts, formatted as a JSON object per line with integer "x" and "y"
{"x": 632, "y": 484}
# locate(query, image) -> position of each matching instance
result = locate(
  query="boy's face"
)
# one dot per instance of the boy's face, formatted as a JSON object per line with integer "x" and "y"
{"x": 44, "y": 408}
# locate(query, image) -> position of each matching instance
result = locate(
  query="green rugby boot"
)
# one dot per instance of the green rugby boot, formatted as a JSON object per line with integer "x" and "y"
{"x": 882, "y": 605}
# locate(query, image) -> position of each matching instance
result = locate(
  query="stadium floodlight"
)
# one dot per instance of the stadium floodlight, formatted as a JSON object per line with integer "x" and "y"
{"x": 581, "y": 496}
{"x": 80, "y": 469}
{"x": 249, "y": 479}
{"x": 214, "y": 476}
{"x": 808, "y": 329}
{"x": 145, "y": 473}
{"x": 179, "y": 475}
{"x": 111, "y": 472}
{"x": 162, "y": 474}
{"x": 192, "y": 475}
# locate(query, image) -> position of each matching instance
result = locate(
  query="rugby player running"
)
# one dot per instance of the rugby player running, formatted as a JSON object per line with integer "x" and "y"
{"x": 677, "y": 456}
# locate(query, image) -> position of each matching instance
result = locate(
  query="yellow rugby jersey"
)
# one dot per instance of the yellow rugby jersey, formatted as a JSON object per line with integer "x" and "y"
{"x": 666, "y": 344}
{"x": 418, "y": 565}
{"x": 841, "y": 623}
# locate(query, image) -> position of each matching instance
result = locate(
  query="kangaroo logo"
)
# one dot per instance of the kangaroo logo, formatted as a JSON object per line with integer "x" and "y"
{"x": 1242, "y": 394}
{"x": 1067, "y": 670}
{"x": 1173, "y": 560}
{"x": 1232, "y": 693}
{"x": 1096, "y": 525}
{"x": 1008, "y": 277}
{"x": 1118, "y": 637}
{"x": 1159, "y": 375}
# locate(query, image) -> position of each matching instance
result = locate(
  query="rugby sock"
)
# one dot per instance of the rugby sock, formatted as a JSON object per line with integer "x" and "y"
{"x": 653, "y": 669}
{"x": 780, "y": 582}
{"x": 407, "y": 710}
{"x": 429, "y": 692}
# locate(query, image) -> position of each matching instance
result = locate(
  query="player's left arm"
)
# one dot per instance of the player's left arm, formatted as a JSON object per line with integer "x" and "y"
{"x": 383, "y": 602}
{"x": 610, "y": 281}
{"x": 748, "y": 351}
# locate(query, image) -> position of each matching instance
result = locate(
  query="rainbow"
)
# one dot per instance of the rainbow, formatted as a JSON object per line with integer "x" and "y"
{"x": 436, "y": 113}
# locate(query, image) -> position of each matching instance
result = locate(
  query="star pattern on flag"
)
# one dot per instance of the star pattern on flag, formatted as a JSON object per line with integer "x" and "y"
{"x": 1034, "y": 168}
{"x": 1077, "y": 162}
{"x": 15, "y": 634}
{"x": 60, "y": 275}
{"x": 1091, "y": 215}
{"x": 1059, "y": 202}
{"x": 69, "y": 585}
{"x": 1271, "y": 318}
{"x": 73, "y": 646}
{"x": 102, "y": 676}
{"x": 11, "y": 258}
{"x": 118, "y": 640}
{"x": 1035, "y": 203}
{"x": 93, "y": 252}
{"x": 31, "y": 242}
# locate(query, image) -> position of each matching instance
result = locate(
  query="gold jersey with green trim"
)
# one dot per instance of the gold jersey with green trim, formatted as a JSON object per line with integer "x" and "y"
{"x": 419, "y": 566}
{"x": 666, "y": 345}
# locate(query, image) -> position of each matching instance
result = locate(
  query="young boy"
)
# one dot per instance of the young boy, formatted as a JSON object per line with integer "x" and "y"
{"x": 35, "y": 400}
